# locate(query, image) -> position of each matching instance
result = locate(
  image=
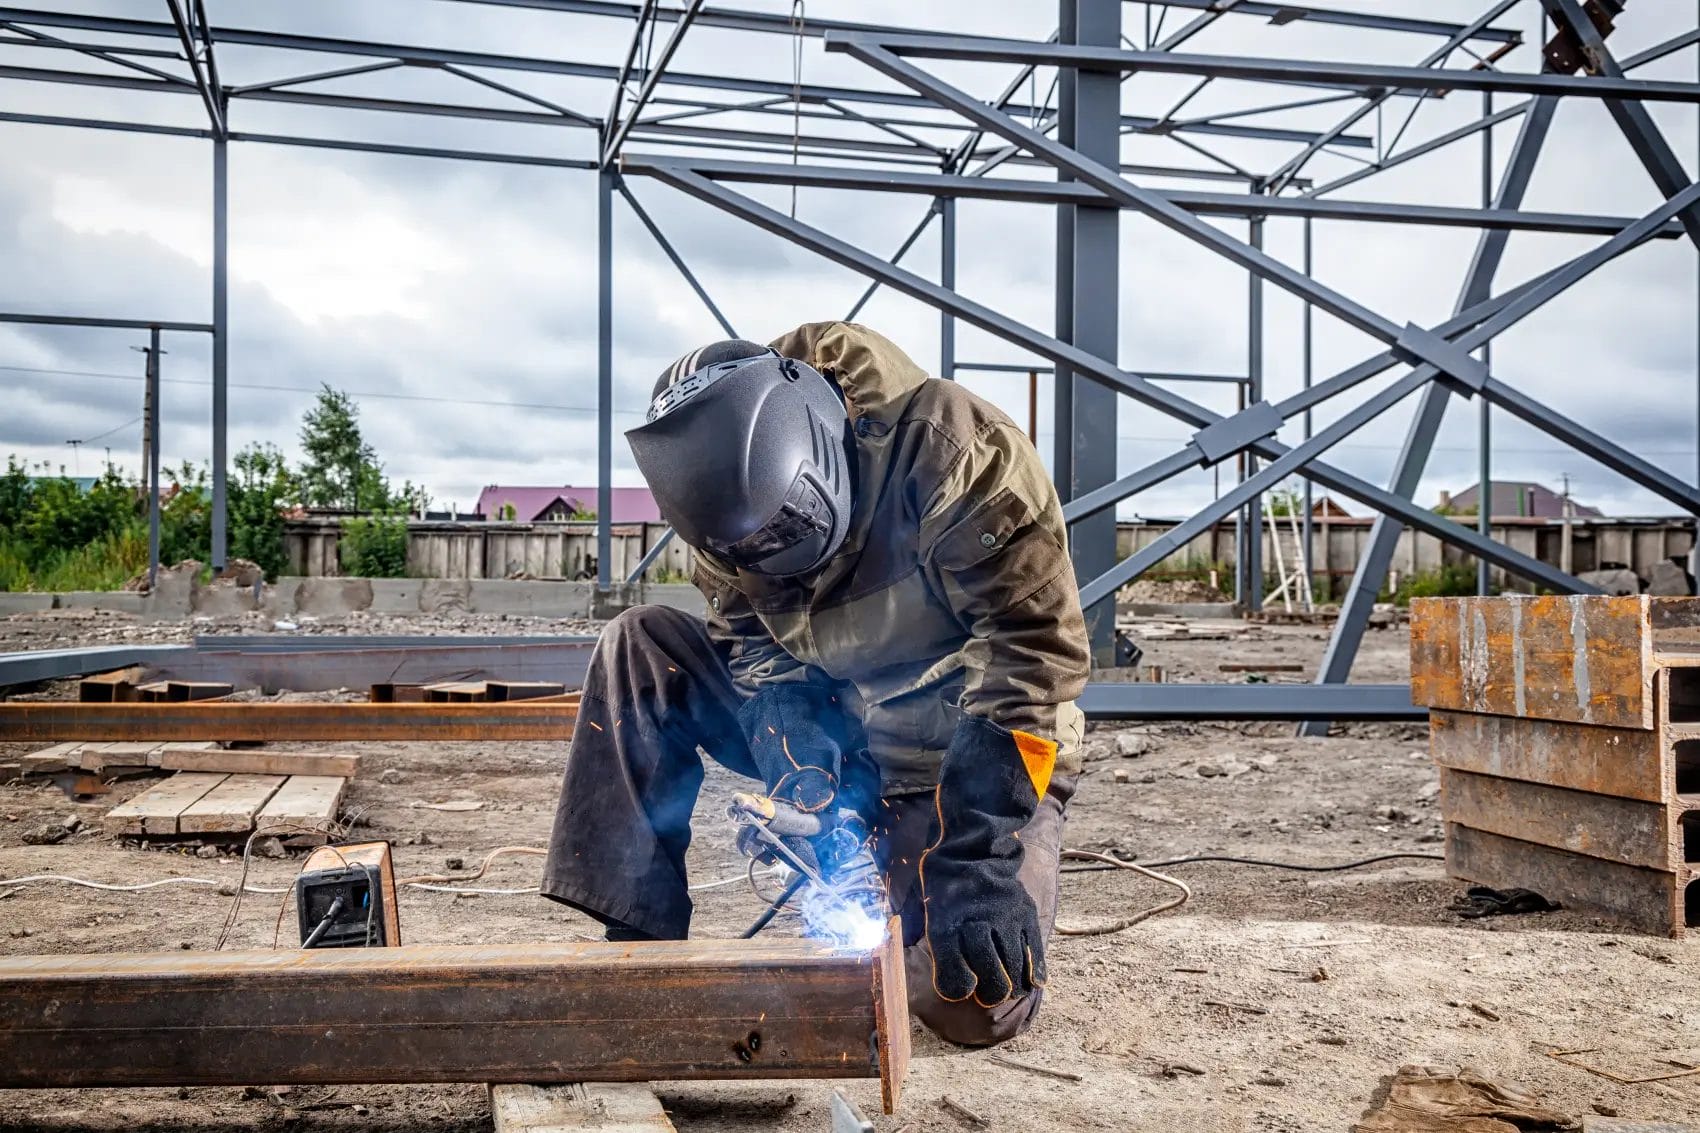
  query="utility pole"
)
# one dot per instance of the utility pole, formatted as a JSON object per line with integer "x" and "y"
{"x": 76, "y": 461}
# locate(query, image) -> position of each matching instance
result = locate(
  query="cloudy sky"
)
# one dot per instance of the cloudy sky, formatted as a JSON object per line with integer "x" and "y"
{"x": 455, "y": 301}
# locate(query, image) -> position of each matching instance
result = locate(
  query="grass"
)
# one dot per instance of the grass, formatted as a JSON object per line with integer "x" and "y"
{"x": 106, "y": 564}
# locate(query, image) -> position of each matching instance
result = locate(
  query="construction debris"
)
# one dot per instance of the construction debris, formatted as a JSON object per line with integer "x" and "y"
{"x": 1428, "y": 1099}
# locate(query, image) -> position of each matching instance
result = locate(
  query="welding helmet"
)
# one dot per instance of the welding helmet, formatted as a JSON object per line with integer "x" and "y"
{"x": 748, "y": 455}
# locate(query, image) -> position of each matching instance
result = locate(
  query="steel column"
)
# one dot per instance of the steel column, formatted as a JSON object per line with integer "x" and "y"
{"x": 1090, "y": 122}
{"x": 1253, "y": 597}
{"x": 1419, "y": 440}
{"x": 220, "y": 346}
{"x": 605, "y": 181}
{"x": 153, "y": 416}
{"x": 1309, "y": 519}
{"x": 1484, "y": 424}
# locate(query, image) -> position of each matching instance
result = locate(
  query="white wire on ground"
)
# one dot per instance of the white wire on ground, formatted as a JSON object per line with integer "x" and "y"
{"x": 64, "y": 879}
{"x": 1108, "y": 927}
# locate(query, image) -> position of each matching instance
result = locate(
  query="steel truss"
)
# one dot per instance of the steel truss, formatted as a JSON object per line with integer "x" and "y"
{"x": 1060, "y": 112}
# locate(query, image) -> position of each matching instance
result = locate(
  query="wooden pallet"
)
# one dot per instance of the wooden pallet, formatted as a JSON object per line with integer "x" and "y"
{"x": 201, "y": 755}
{"x": 1567, "y": 732}
{"x": 201, "y": 802}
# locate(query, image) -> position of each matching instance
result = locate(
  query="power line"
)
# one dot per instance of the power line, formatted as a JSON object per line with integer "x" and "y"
{"x": 362, "y": 395}
{"x": 114, "y": 429}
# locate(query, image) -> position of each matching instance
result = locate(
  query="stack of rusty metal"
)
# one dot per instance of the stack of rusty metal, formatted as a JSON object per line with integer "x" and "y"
{"x": 1567, "y": 732}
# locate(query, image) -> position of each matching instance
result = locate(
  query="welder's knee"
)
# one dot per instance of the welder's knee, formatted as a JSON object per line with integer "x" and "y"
{"x": 969, "y": 1024}
{"x": 643, "y": 624}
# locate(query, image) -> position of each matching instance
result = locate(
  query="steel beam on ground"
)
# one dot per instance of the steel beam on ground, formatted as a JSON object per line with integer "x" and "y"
{"x": 1310, "y": 72}
{"x": 283, "y": 722}
{"x": 1064, "y": 355}
{"x": 1201, "y": 203}
{"x": 563, "y": 1012}
{"x": 31, "y": 666}
{"x": 1377, "y": 556}
{"x": 307, "y": 670}
{"x": 1163, "y": 701}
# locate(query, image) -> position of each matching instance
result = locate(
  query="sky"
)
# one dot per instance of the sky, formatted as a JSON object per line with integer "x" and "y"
{"x": 456, "y": 301}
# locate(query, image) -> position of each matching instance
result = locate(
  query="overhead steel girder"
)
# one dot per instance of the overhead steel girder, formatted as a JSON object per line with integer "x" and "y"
{"x": 1201, "y": 203}
{"x": 432, "y": 56}
{"x": 1631, "y": 117}
{"x": 204, "y": 84}
{"x": 1295, "y": 459}
{"x": 1410, "y": 343}
{"x": 1164, "y": 701}
{"x": 1300, "y": 71}
{"x": 1080, "y": 361}
{"x": 778, "y": 24}
{"x": 109, "y": 324}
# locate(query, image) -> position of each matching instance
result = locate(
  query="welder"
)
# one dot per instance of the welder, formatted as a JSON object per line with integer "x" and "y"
{"x": 892, "y": 632}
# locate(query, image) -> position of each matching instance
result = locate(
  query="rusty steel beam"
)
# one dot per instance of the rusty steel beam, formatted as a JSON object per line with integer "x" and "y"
{"x": 698, "y": 1009}
{"x": 226, "y": 720}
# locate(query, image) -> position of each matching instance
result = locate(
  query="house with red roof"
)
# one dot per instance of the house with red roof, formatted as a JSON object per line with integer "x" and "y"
{"x": 528, "y": 504}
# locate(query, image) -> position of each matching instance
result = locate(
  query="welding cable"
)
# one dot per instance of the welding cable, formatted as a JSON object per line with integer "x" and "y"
{"x": 324, "y": 924}
{"x": 1110, "y": 861}
{"x": 1198, "y": 858}
{"x": 772, "y": 910}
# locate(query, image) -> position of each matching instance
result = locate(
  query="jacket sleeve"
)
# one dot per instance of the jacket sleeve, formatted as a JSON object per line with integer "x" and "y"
{"x": 753, "y": 655}
{"x": 993, "y": 535}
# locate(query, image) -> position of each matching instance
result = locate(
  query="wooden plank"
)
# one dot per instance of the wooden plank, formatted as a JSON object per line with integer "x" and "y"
{"x": 1582, "y": 659}
{"x": 288, "y": 722}
{"x": 1625, "y": 762}
{"x": 155, "y": 810}
{"x": 49, "y": 759}
{"x": 251, "y": 761}
{"x": 99, "y": 757}
{"x": 607, "y": 1107}
{"x": 543, "y": 1013}
{"x": 1641, "y": 899}
{"x": 230, "y": 807}
{"x": 308, "y": 801}
{"x": 1600, "y": 826}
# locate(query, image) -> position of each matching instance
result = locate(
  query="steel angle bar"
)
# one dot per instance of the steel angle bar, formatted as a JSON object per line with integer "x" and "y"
{"x": 115, "y": 324}
{"x": 611, "y": 146}
{"x": 416, "y": 151}
{"x": 1199, "y": 202}
{"x": 1283, "y": 14}
{"x": 204, "y": 84}
{"x": 1164, "y": 701}
{"x": 678, "y": 262}
{"x": 522, "y": 95}
{"x": 1421, "y": 149}
{"x": 1308, "y": 72}
{"x": 315, "y": 77}
{"x": 1081, "y": 361}
{"x": 654, "y": 552}
{"x": 103, "y": 124}
{"x": 1660, "y": 50}
{"x": 113, "y": 55}
{"x": 1264, "y": 479}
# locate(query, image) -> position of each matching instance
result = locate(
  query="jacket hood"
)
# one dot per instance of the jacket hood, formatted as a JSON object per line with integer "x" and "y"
{"x": 877, "y": 377}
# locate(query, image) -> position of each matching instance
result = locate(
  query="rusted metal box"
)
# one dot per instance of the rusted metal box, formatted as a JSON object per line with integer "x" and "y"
{"x": 1567, "y": 733}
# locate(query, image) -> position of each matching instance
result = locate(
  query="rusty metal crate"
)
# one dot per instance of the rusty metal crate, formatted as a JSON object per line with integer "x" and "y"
{"x": 1567, "y": 733}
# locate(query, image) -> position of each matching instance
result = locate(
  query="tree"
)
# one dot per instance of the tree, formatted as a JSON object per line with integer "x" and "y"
{"x": 258, "y": 494}
{"x": 341, "y": 470}
{"x": 185, "y": 516}
{"x": 1284, "y": 502}
{"x": 16, "y": 488}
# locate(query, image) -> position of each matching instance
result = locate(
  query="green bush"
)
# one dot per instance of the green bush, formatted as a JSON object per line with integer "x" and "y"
{"x": 1451, "y": 580}
{"x": 185, "y": 516}
{"x": 257, "y": 496}
{"x": 375, "y": 546}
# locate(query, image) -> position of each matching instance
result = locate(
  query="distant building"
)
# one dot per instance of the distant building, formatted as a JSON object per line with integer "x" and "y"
{"x": 1516, "y": 499}
{"x": 1326, "y": 508}
{"x": 548, "y": 505}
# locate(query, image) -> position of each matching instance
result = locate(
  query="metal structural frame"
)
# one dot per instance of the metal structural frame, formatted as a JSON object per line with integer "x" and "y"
{"x": 915, "y": 132}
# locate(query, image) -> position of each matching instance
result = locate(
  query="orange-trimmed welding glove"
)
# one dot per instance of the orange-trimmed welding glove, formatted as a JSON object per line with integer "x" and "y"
{"x": 981, "y": 922}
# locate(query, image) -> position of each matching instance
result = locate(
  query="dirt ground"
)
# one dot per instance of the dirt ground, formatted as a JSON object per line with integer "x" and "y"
{"x": 1273, "y": 1000}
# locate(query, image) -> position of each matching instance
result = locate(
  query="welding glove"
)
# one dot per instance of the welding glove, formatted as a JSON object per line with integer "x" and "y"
{"x": 797, "y": 734}
{"x": 980, "y": 921}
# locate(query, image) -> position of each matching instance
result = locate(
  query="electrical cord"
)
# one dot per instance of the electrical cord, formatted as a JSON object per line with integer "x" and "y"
{"x": 1110, "y": 861}
{"x": 1262, "y": 862}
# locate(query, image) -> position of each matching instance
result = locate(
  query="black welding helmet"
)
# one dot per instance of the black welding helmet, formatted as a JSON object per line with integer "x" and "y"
{"x": 748, "y": 456}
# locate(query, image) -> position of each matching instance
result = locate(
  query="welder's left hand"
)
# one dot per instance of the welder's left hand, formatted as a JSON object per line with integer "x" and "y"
{"x": 797, "y": 735}
{"x": 981, "y": 922}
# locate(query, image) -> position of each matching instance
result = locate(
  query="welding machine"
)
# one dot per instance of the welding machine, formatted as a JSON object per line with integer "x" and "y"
{"x": 345, "y": 898}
